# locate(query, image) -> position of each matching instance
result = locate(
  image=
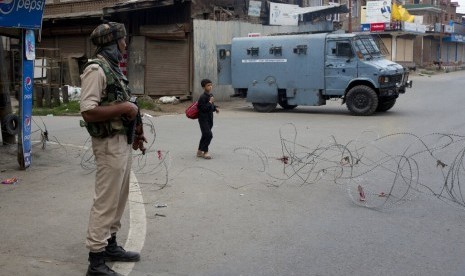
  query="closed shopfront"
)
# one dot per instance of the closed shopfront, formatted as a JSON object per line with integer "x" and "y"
{"x": 73, "y": 45}
{"x": 68, "y": 45}
{"x": 404, "y": 49}
{"x": 167, "y": 67}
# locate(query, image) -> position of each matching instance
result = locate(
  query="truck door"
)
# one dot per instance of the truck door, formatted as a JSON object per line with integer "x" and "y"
{"x": 224, "y": 63}
{"x": 340, "y": 66}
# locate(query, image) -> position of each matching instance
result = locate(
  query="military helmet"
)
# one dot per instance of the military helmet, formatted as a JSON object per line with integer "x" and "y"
{"x": 107, "y": 33}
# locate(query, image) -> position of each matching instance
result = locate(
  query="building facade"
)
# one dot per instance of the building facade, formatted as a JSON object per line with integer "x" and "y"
{"x": 162, "y": 52}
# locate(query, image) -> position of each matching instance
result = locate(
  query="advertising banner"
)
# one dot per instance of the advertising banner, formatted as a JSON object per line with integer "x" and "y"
{"x": 255, "y": 8}
{"x": 377, "y": 27}
{"x": 26, "y": 96}
{"x": 21, "y": 13}
{"x": 281, "y": 14}
{"x": 378, "y": 12}
{"x": 365, "y": 27}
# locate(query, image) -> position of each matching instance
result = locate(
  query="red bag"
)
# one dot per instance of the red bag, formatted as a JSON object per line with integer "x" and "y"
{"x": 192, "y": 111}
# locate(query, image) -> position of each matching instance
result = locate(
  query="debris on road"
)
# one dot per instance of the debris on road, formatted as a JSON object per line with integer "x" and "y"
{"x": 10, "y": 181}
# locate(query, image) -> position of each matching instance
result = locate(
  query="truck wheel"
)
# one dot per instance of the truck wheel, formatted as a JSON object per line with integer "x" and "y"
{"x": 385, "y": 105}
{"x": 362, "y": 100}
{"x": 285, "y": 105}
{"x": 264, "y": 107}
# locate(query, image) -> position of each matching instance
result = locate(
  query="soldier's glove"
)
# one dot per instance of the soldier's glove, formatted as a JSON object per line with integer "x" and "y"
{"x": 139, "y": 139}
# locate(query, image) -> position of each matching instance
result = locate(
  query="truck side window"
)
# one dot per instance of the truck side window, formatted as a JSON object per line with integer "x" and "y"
{"x": 277, "y": 51}
{"x": 252, "y": 51}
{"x": 300, "y": 50}
{"x": 343, "y": 49}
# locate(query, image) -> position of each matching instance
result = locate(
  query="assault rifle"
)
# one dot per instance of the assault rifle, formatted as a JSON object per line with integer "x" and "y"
{"x": 135, "y": 129}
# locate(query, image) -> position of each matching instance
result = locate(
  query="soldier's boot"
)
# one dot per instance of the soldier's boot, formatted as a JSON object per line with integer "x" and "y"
{"x": 116, "y": 253}
{"x": 97, "y": 266}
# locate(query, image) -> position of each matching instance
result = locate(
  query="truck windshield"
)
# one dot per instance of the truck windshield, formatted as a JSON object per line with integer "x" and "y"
{"x": 369, "y": 46}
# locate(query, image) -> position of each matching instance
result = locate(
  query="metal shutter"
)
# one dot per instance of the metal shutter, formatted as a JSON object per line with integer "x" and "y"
{"x": 72, "y": 45}
{"x": 167, "y": 68}
{"x": 400, "y": 43}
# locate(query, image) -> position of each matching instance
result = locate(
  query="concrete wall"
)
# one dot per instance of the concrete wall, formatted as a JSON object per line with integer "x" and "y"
{"x": 208, "y": 34}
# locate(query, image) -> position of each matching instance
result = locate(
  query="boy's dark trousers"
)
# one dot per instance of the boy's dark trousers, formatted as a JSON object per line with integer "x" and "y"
{"x": 207, "y": 135}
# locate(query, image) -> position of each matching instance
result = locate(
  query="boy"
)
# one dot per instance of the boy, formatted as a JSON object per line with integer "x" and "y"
{"x": 206, "y": 108}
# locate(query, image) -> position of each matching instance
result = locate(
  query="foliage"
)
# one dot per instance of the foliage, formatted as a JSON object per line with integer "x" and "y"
{"x": 71, "y": 108}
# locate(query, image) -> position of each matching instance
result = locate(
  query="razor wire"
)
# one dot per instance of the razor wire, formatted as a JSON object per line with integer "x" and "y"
{"x": 374, "y": 175}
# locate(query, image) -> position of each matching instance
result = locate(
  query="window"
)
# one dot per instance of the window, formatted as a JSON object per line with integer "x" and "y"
{"x": 343, "y": 49}
{"x": 333, "y": 17}
{"x": 354, "y": 8}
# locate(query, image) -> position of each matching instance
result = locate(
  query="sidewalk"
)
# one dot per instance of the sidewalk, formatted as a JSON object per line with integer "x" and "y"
{"x": 44, "y": 215}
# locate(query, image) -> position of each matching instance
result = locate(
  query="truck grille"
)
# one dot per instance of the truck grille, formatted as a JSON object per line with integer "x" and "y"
{"x": 397, "y": 78}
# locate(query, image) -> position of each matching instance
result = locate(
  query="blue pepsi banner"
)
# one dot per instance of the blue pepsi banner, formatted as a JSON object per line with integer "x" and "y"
{"x": 26, "y": 95}
{"x": 21, "y": 13}
{"x": 365, "y": 27}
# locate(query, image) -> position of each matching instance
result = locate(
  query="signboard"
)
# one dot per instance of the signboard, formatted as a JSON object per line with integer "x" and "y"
{"x": 377, "y": 27}
{"x": 413, "y": 27}
{"x": 365, "y": 27}
{"x": 448, "y": 29}
{"x": 254, "y": 8}
{"x": 454, "y": 38}
{"x": 378, "y": 12}
{"x": 26, "y": 96}
{"x": 25, "y": 106}
{"x": 280, "y": 14}
{"x": 21, "y": 13}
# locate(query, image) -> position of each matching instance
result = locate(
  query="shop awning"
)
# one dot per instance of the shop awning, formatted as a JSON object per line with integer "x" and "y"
{"x": 10, "y": 32}
{"x": 74, "y": 15}
{"x": 321, "y": 10}
{"x": 133, "y": 5}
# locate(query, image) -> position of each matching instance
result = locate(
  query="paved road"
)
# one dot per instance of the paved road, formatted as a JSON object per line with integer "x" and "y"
{"x": 246, "y": 213}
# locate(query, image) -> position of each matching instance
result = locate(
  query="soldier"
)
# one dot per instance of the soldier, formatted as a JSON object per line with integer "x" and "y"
{"x": 107, "y": 110}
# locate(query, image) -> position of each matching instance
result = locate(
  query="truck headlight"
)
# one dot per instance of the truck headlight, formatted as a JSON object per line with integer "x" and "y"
{"x": 384, "y": 79}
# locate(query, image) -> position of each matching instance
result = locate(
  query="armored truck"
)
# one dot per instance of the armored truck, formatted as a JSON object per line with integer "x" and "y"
{"x": 309, "y": 69}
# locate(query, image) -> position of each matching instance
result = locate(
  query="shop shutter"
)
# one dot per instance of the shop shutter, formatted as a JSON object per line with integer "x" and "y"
{"x": 48, "y": 42}
{"x": 400, "y": 51}
{"x": 167, "y": 68}
{"x": 460, "y": 52}
{"x": 72, "y": 45}
{"x": 408, "y": 50}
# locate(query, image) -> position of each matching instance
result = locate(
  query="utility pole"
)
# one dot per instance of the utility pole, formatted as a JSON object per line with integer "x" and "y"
{"x": 441, "y": 34}
{"x": 350, "y": 16}
{"x": 442, "y": 26}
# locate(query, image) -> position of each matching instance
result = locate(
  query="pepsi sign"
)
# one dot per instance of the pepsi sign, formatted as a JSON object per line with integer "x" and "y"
{"x": 25, "y": 110}
{"x": 6, "y": 6}
{"x": 21, "y": 13}
{"x": 28, "y": 83}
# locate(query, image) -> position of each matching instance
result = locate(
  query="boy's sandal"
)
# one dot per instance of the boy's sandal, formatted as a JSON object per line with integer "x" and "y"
{"x": 207, "y": 156}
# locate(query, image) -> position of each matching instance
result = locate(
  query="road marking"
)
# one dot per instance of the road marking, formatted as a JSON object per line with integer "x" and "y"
{"x": 137, "y": 219}
{"x": 137, "y": 225}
